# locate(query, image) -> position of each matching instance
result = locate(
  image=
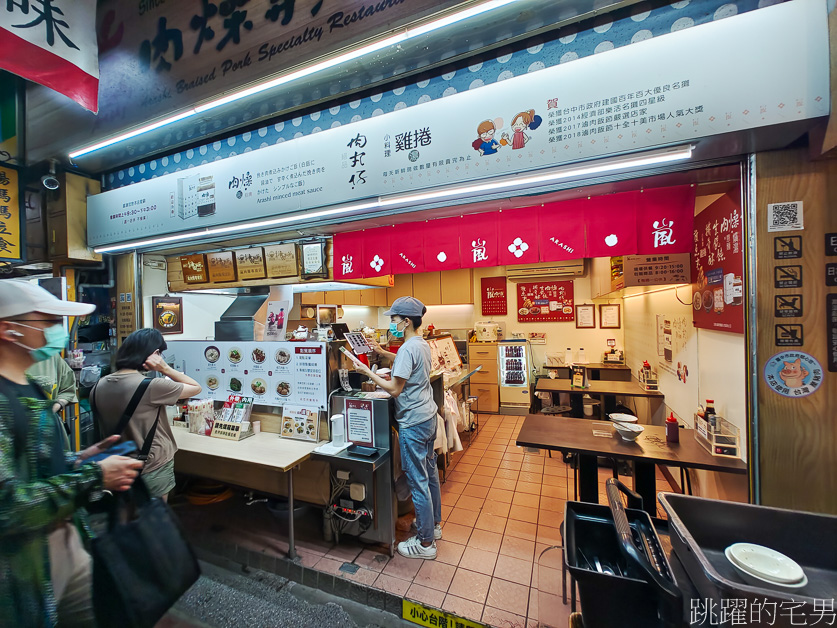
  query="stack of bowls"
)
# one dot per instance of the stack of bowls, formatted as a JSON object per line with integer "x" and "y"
{"x": 759, "y": 565}
{"x": 628, "y": 431}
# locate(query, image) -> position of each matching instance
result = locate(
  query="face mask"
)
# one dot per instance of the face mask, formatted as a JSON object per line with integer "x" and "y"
{"x": 55, "y": 339}
{"x": 396, "y": 333}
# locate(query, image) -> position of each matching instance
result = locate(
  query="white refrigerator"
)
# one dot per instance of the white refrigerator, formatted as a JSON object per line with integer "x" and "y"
{"x": 515, "y": 376}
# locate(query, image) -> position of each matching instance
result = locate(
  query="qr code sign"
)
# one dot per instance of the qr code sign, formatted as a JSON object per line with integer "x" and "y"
{"x": 784, "y": 216}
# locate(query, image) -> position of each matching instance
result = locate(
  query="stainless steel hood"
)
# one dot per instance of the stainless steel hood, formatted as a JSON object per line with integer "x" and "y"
{"x": 238, "y": 321}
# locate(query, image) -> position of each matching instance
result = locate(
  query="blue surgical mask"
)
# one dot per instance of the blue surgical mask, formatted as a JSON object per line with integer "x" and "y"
{"x": 55, "y": 339}
{"x": 394, "y": 331}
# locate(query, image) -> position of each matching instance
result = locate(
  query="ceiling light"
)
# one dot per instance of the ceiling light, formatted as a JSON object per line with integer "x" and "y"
{"x": 320, "y": 66}
{"x": 321, "y": 286}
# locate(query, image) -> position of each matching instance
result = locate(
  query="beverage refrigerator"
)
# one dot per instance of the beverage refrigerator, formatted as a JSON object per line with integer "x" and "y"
{"x": 515, "y": 357}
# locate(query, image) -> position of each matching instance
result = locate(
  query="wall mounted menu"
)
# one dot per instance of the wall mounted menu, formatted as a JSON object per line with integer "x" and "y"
{"x": 250, "y": 263}
{"x": 221, "y": 266}
{"x": 194, "y": 268}
{"x": 274, "y": 373}
{"x": 494, "y": 299}
{"x": 545, "y": 301}
{"x": 281, "y": 260}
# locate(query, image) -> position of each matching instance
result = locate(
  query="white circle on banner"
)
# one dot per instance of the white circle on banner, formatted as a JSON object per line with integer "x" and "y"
{"x": 376, "y": 97}
{"x": 334, "y": 110}
{"x": 165, "y": 160}
{"x": 641, "y": 36}
{"x": 264, "y": 145}
{"x": 476, "y": 67}
{"x": 179, "y": 135}
{"x": 131, "y": 171}
{"x": 533, "y": 50}
{"x": 280, "y": 140}
{"x": 423, "y": 99}
{"x": 297, "y": 121}
{"x": 336, "y": 124}
{"x": 279, "y": 126}
{"x": 231, "y": 141}
{"x": 682, "y": 24}
{"x": 316, "y": 129}
{"x": 423, "y": 84}
{"x": 504, "y": 58}
{"x": 449, "y": 75}
{"x": 177, "y": 158}
{"x": 640, "y": 12}
{"x": 152, "y": 165}
{"x": 110, "y": 178}
{"x": 357, "y": 118}
{"x": 537, "y": 65}
{"x": 399, "y": 90}
{"x": 603, "y": 47}
{"x": 262, "y": 131}
{"x": 141, "y": 168}
{"x": 246, "y": 136}
{"x": 248, "y": 149}
{"x": 399, "y": 106}
{"x": 315, "y": 116}
{"x": 354, "y": 104}
{"x": 505, "y": 75}
{"x": 450, "y": 91}
{"x": 604, "y": 25}
{"x": 190, "y": 153}
{"x": 568, "y": 39}
{"x": 726, "y": 10}
{"x": 569, "y": 56}
{"x": 768, "y": 3}
{"x": 377, "y": 112}
{"x": 476, "y": 84}
{"x": 681, "y": 4}
{"x": 202, "y": 150}
{"x": 298, "y": 134}
{"x": 121, "y": 175}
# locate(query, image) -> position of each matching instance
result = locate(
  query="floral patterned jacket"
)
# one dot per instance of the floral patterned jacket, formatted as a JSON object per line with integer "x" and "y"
{"x": 33, "y": 502}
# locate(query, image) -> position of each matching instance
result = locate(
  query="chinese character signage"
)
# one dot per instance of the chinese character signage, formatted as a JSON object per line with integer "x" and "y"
{"x": 10, "y": 240}
{"x": 656, "y": 270}
{"x": 494, "y": 296}
{"x": 718, "y": 267}
{"x": 53, "y": 42}
{"x": 545, "y": 301}
{"x": 194, "y": 268}
{"x": 555, "y": 116}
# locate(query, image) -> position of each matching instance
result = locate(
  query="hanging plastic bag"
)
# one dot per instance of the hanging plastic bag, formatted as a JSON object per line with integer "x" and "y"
{"x": 89, "y": 376}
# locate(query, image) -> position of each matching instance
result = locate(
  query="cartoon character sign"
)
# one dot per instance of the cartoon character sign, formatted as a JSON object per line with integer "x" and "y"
{"x": 793, "y": 374}
{"x": 486, "y": 144}
{"x": 522, "y": 122}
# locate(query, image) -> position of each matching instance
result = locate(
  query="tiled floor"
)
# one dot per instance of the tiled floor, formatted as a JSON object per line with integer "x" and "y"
{"x": 502, "y": 507}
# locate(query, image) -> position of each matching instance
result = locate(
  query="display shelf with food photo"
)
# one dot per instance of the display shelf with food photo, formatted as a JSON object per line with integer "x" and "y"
{"x": 212, "y": 354}
{"x": 300, "y": 422}
{"x": 258, "y": 356}
{"x": 234, "y": 355}
{"x": 212, "y": 382}
{"x": 258, "y": 387}
{"x": 282, "y": 357}
{"x": 235, "y": 385}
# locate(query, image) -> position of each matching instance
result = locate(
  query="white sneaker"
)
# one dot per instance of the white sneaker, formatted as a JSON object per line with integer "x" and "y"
{"x": 437, "y": 530}
{"x": 412, "y": 548}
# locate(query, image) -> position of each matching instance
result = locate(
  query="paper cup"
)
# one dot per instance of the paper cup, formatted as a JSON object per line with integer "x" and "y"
{"x": 257, "y": 426}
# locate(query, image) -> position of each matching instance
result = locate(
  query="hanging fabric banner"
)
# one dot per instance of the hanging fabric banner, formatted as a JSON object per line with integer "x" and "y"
{"x": 478, "y": 240}
{"x": 518, "y": 236}
{"x": 348, "y": 255}
{"x": 377, "y": 259}
{"x": 407, "y": 248}
{"x": 53, "y": 43}
{"x": 611, "y": 225}
{"x": 441, "y": 244}
{"x": 665, "y": 217}
{"x": 561, "y": 230}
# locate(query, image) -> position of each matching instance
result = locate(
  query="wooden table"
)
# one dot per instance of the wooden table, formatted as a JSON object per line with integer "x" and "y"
{"x": 605, "y": 389}
{"x": 650, "y": 449}
{"x": 230, "y": 461}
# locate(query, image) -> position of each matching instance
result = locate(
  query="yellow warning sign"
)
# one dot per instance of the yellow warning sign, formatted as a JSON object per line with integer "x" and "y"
{"x": 434, "y": 618}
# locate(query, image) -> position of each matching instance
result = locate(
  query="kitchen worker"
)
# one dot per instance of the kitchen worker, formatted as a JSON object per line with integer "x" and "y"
{"x": 415, "y": 412}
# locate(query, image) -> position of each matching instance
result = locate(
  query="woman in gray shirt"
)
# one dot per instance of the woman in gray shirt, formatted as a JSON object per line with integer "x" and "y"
{"x": 415, "y": 412}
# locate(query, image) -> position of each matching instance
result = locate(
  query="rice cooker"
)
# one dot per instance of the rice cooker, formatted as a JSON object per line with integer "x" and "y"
{"x": 486, "y": 331}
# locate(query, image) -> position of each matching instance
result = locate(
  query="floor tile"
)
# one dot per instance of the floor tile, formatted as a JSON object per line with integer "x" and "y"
{"x": 465, "y": 468}
{"x": 513, "y": 466}
{"x": 532, "y": 613}
{"x": 513, "y": 458}
{"x": 531, "y": 488}
{"x": 391, "y": 584}
{"x": 533, "y": 467}
{"x": 492, "y": 523}
{"x": 530, "y": 476}
{"x": 552, "y": 611}
{"x": 522, "y": 513}
{"x": 425, "y": 595}
{"x": 554, "y": 471}
{"x": 376, "y": 561}
{"x": 484, "y": 540}
{"x": 463, "y": 517}
{"x": 450, "y": 499}
{"x": 463, "y": 608}
{"x": 494, "y": 452}
{"x": 456, "y": 533}
{"x": 559, "y": 492}
{"x": 526, "y": 500}
{"x": 329, "y": 565}
{"x": 307, "y": 558}
{"x": 491, "y": 464}
{"x": 500, "y": 509}
{"x": 404, "y": 568}
{"x": 502, "y": 495}
{"x": 549, "y": 580}
{"x": 552, "y": 503}
{"x": 480, "y": 561}
{"x": 435, "y": 575}
{"x": 446, "y": 510}
{"x": 482, "y": 480}
{"x": 521, "y": 530}
{"x": 549, "y": 536}
{"x": 453, "y": 487}
{"x": 518, "y": 548}
{"x": 550, "y": 518}
{"x": 483, "y": 471}
{"x": 362, "y": 576}
{"x": 513, "y": 570}
{"x": 553, "y": 558}
{"x": 506, "y": 474}
{"x": 470, "y": 503}
{"x": 470, "y": 585}
{"x": 474, "y": 490}
{"x": 458, "y": 476}
{"x": 506, "y": 485}
{"x": 448, "y": 552}
{"x": 508, "y": 596}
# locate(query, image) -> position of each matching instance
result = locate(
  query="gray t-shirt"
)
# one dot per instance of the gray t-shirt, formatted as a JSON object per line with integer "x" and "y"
{"x": 415, "y": 403}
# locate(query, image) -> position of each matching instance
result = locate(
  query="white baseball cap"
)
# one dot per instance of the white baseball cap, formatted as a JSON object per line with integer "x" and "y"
{"x": 22, "y": 297}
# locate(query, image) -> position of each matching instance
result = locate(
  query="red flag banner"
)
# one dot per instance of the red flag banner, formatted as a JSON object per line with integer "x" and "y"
{"x": 611, "y": 225}
{"x": 407, "y": 248}
{"x": 53, "y": 42}
{"x": 441, "y": 244}
{"x": 561, "y": 229}
{"x": 348, "y": 255}
{"x": 478, "y": 240}
{"x": 665, "y": 217}
{"x": 518, "y": 236}
{"x": 377, "y": 258}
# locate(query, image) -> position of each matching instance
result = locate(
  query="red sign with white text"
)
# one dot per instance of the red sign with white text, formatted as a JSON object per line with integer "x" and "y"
{"x": 718, "y": 267}
{"x": 545, "y": 301}
{"x": 494, "y": 296}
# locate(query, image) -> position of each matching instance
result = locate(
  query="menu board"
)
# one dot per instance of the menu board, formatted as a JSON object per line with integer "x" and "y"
{"x": 273, "y": 373}
{"x": 280, "y": 260}
{"x": 545, "y": 301}
{"x": 494, "y": 301}
{"x": 221, "y": 266}
{"x": 194, "y": 268}
{"x": 250, "y": 263}
{"x": 443, "y": 354}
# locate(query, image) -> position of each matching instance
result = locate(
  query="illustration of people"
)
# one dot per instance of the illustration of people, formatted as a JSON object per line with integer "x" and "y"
{"x": 486, "y": 144}
{"x": 522, "y": 122}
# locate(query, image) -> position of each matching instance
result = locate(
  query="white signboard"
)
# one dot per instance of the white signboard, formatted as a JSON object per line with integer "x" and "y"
{"x": 666, "y": 90}
{"x": 273, "y": 373}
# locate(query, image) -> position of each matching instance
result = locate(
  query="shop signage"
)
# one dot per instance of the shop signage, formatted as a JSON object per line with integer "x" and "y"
{"x": 250, "y": 263}
{"x": 53, "y": 42}
{"x": 10, "y": 223}
{"x": 194, "y": 268}
{"x": 656, "y": 270}
{"x": 831, "y": 275}
{"x": 788, "y": 305}
{"x": 430, "y": 617}
{"x": 787, "y": 276}
{"x": 494, "y": 296}
{"x": 221, "y": 266}
{"x": 359, "y": 428}
{"x": 831, "y": 330}
{"x": 787, "y": 247}
{"x": 555, "y": 116}
{"x": 718, "y": 267}
{"x": 545, "y": 301}
{"x": 793, "y": 374}
{"x": 788, "y": 335}
{"x": 281, "y": 260}
{"x": 831, "y": 244}
{"x": 168, "y": 314}
{"x": 785, "y": 217}
{"x": 300, "y": 422}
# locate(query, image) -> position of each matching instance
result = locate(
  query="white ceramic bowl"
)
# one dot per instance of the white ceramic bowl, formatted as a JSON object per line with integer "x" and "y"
{"x": 766, "y": 563}
{"x": 618, "y": 417}
{"x": 628, "y": 431}
{"x": 754, "y": 580}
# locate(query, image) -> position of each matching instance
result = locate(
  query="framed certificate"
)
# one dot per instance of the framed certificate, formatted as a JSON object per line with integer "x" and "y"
{"x": 585, "y": 316}
{"x": 313, "y": 259}
{"x": 610, "y": 316}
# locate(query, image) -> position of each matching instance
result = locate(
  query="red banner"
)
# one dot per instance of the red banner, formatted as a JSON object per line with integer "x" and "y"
{"x": 518, "y": 236}
{"x": 407, "y": 248}
{"x": 718, "y": 267}
{"x": 348, "y": 255}
{"x": 665, "y": 217}
{"x": 562, "y": 231}
{"x": 478, "y": 240}
{"x": 545, "y": 301}
{"x": 611, "y": 225}
{"x": 494, "y": 296}
{"x": 377, "y": 259}
{"x": 441, "y": 244}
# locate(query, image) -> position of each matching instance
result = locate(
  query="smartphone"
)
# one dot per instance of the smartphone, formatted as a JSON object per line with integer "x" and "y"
{"x": 127, "y": 448}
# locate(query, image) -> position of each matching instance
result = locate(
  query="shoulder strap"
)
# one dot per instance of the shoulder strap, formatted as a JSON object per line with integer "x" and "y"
{"x": 21, "y": 424}
{"x": 149, "y": 438}
{"x": 129, "y": 409}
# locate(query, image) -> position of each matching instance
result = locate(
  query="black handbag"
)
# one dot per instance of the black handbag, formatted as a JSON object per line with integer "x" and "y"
{"x": 141, "y": 566}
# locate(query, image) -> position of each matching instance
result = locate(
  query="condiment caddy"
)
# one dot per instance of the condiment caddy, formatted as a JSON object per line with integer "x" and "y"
{"x": 647, "y": 378}
{"x": 717, "y": 435}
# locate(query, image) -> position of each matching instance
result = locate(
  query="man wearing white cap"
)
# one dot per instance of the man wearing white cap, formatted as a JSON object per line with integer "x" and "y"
{"x": 415, "y": 412}
{"x": 45, "y": 572}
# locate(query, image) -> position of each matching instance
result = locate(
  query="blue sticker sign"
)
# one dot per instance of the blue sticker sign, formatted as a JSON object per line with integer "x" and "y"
{"x": 793, "y": 374}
